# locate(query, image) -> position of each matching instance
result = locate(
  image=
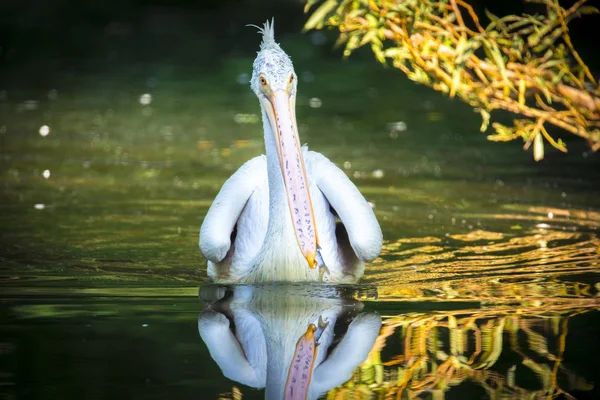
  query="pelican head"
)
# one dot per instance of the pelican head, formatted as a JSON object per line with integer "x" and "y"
{"x": 274, "y": 83}
{"x": 272, "y": 69}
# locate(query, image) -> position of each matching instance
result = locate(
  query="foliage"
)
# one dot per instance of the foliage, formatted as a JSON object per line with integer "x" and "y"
{"x": 523, "y": 64}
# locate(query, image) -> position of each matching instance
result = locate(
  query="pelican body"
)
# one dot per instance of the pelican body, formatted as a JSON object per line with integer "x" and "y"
{"x": 274, "y": 219}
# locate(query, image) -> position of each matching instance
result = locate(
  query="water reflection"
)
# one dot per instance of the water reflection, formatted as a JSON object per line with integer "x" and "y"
{"x": 493, "y": 353}
{"x": 420, "y": 350}
{"x": 299, "y": 339}
{"x": 517, "y": 265}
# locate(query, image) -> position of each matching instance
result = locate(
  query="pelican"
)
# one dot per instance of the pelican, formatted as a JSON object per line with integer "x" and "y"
{"x": 274, "y": 219}
{"x": 262, "y": 336}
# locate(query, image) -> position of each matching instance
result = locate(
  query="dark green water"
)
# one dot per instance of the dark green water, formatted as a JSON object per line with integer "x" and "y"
{"x": 490, "y": 260}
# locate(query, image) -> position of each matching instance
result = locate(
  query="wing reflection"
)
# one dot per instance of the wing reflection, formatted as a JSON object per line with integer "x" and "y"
{"x": 299, "y": 339}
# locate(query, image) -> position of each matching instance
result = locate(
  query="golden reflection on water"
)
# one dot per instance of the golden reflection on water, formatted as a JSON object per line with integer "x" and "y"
{"x": 499, "y": 352}
{"x": 506, "y": 352}
{"x": 517, "y": 265}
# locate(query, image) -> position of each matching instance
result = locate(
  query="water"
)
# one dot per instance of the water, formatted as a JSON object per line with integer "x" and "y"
{"x": 487, "y": 285}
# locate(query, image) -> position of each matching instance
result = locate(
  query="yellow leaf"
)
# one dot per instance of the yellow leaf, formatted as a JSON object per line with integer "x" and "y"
{"x": 455, "y": 81}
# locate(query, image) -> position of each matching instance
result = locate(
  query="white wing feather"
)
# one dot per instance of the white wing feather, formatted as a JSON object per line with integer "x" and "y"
{"x": 355, "y": 213}
{"x": 215, "y": 233}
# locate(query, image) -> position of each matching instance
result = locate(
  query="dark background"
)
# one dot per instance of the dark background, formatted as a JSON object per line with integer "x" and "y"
{"x": 58, "y": 35}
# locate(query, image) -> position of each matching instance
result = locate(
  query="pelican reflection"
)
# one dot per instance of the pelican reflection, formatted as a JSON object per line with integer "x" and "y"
{"x": 296, "y": 341}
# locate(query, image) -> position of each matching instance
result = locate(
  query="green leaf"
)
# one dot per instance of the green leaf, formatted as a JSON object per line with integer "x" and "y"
{"x": 369, "y": 36}
{"x": 355, "y": 13}
{"x": 534, "y": 38}
{"x": 586, "y": 10}
{"x": 309, "y": 4}
{"x": 485, "y": 120}
{"x": 372, "y": 20}
{"x": 493, "y": 52}
{"x": 544, "y": 89}
{"x": 353, "y": 43}
{"x": 496, "y": 22}
{"x": 378, "y": 53}
{"x": 317, "y": 17}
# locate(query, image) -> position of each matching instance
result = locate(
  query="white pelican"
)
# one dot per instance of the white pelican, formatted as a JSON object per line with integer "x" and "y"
{"x": 274, "y": 219}
{"x": 281, "y": 329}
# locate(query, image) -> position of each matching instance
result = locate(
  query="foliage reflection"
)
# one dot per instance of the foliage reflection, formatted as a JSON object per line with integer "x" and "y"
{"x": 505, "y": 352}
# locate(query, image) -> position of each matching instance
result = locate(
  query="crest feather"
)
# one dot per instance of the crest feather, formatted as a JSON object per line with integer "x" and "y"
{"x": 268, "y": 34}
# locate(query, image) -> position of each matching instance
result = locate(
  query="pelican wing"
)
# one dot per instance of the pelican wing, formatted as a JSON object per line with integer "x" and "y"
{"x": 215, "y": 233}
{"x": 350, "y": 205}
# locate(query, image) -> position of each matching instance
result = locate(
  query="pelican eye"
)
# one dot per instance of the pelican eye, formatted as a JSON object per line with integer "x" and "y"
{"x": 263, "y": 81}
{"x": 291, "y": 78}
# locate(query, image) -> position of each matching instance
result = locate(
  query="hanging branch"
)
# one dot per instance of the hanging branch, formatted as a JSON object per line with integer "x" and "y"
{"x": 523, "y": 64}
